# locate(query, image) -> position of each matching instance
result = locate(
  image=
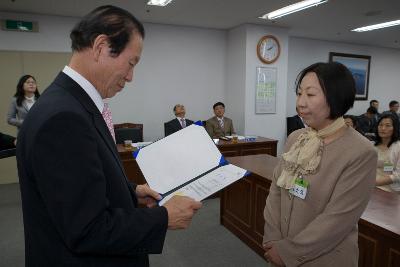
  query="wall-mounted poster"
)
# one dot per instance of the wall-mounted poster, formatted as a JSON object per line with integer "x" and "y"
{"x": 266, "y": 90}
{"x": 359, "y": 67}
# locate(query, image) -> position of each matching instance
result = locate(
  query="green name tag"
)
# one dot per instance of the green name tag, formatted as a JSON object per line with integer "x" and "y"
{"x": 300, "y": 188}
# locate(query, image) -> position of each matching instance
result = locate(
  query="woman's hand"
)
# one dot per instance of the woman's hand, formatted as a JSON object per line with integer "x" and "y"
{"x": 272, "y": 255}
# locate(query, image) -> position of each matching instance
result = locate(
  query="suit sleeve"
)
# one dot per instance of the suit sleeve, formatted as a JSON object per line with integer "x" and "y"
{"x": 395, "y": 159}
{"x": 210, "y": 128}
{"x": 12, "y": 115}
{"x": 71, "y": 181}
{"x": 167, "y": 129}
{"x": 232, "y": 129}
{"x": 348, "y": 201}
{"x": 272, "y": 211}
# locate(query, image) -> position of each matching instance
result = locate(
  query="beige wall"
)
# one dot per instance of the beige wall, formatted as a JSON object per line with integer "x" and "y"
{"x": 44, "y": 66}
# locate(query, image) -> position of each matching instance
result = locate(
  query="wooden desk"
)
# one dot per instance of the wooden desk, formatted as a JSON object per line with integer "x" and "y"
{"x": 243, "y": 202}
{"x": 242, "y": 205}
{"x": 260, "y": 146}
{"x": 131, "y": 167}
{"x": 379, "y": 231}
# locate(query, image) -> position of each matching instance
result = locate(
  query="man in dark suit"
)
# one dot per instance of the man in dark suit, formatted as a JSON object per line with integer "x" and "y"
{"x": 79, "y": 209}
{"x": 179, "y": 122}
{"x": 294, "y": 123}
{"x": 366, "y": 123}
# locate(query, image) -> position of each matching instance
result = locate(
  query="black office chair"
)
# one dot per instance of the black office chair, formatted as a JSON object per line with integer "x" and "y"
{"x": 128, "y": 131}
{"x": 7, "y": 153}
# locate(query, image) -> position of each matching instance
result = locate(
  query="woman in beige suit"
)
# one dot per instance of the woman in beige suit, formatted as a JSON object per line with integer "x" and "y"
{"x": 26, "y": 95}
{"x": 324, "y": 179}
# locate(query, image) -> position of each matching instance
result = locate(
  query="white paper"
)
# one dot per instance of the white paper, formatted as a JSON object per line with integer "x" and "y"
{"x": 178, "y": 158}
{"x": 209, "y": 183}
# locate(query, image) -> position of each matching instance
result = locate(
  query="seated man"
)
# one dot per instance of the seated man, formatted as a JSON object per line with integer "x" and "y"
{"x": 179, "y": 122}
{"x": 7, "y": 141}
{"x": 393, "y": 108}
{"x": 366, "y": 122}
{"x": 294, "y": 123}
{"x": 219, "y": 126}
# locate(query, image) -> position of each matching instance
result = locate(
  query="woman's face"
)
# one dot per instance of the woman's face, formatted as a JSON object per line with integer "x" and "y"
{"x": 385, "y": 128}
{"x": 30, "y": 86}
{"x": 311, "y": 102}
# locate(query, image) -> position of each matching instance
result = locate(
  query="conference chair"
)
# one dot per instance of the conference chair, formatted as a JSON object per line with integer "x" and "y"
{"x": 128, "y": 131}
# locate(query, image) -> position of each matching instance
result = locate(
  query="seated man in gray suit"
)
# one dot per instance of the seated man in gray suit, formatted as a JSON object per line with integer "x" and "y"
{"x": 179, "y": 122}
{"x": 219, "y": 126}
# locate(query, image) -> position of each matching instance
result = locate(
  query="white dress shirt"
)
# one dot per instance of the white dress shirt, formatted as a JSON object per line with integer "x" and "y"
{"x": 29, "y": 101}
{"x": 180, "y": 120}
{"x": 87, "y": 86}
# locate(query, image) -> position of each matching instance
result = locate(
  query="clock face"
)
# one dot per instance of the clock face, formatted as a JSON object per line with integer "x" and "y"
{"x": 268, "y": 49}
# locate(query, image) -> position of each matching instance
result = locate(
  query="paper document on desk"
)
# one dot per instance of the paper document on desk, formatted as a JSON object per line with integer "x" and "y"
{"x": 186, "y": 163}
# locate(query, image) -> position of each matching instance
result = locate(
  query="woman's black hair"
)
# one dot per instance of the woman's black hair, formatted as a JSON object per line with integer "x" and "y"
{"x": 336, "y": 82}
{"x": 20, "y": 93}
{"x": 395, "y": 135}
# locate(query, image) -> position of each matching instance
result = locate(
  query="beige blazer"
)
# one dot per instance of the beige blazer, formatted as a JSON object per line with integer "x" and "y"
{"x": 214, "y": 129}
{"x": 321, "y": 230}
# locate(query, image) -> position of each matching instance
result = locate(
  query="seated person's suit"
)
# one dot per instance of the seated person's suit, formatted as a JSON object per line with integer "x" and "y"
{"x": 174, "y": 125}
{"x": 294, "y": 123}
{"x": 214, "y": 129}
{"x": 365, "y": 124}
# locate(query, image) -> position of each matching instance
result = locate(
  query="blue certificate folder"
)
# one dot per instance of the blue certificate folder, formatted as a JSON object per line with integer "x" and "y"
{"x": 186, "y": 163}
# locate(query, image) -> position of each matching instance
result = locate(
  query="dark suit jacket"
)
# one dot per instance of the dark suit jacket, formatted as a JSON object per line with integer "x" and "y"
{"x": 294, "y": 123}
{"x": 78, "y": 207}
{"x": 365, "y": 124}
{"x": 174, "y": 125}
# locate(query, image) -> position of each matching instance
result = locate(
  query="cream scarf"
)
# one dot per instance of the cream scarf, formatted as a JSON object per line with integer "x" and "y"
{"x": 305, "y": 154}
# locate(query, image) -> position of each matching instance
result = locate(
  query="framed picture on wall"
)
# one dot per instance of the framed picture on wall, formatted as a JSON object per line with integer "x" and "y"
{"x": 359, "y": 67}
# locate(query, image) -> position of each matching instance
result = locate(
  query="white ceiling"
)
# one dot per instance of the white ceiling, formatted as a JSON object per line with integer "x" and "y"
{"x": 331, "y": 21}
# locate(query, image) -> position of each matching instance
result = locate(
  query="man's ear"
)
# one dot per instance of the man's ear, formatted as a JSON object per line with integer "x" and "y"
{"x": 100, "y": 46}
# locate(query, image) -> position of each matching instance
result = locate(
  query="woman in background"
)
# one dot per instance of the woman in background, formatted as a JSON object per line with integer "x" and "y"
{"x": 388, "y": 147}
{"x": 323, "y": 181}
{"x": 26, "y": 95}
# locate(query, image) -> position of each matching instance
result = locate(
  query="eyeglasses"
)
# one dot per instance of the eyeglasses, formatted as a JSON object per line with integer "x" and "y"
{"x": 30, "y": 82}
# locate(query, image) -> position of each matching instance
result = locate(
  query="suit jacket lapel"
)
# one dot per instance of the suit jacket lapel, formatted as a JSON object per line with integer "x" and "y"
{"x": 72, "y": 87}
{"x": 225, "y": 122}
{"x": 25, "y": 106}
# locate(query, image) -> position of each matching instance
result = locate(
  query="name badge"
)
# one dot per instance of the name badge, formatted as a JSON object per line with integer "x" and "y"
{"x": 300, "y": 188}
{"x": 387, "y": 167}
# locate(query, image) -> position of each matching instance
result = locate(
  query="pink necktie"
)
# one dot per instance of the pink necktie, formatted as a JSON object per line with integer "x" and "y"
{"x": 108, "y": 119}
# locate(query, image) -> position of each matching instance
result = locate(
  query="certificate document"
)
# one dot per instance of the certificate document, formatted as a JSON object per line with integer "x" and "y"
{"x": 186, "y": 163}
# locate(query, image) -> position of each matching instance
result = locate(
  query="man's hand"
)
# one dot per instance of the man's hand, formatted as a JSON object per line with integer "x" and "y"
{"x": 180, "y": 211}
{"x": 147, "y": 196}
{"x": 272, "y": 255}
